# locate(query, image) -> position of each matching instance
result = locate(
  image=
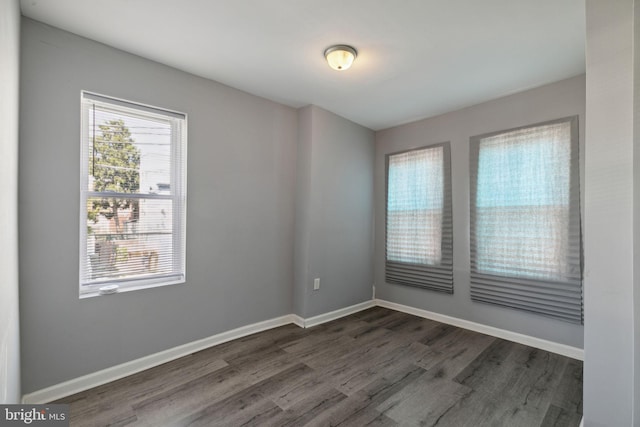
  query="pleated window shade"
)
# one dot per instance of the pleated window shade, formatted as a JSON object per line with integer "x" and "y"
{"x": 526, "y": 241}
{"x": 419, "y": 233}
{"x": 133, "y": 195}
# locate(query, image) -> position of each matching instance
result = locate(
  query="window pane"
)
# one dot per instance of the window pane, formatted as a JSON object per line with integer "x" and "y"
{"x": 526, "y": 241}
{"x": 128, "y": 153}
{"x": 133, "y": 195}
{"x": 522, "y": 202}
{"x": 129, "y": 238}
{"x": 414, "y": 206}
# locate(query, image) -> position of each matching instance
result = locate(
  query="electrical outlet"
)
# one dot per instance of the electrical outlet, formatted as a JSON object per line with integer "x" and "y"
{"x": 316, "y": 284}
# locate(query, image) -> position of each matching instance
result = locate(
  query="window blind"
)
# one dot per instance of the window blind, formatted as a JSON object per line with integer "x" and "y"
{"x": 526, "y": 241}
{"x": 133, "y": 194}
{"x": 419, "y": 230}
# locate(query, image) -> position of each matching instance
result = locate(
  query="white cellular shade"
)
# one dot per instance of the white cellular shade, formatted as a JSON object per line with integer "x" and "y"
{"x": 133, "y": 194}
{"x": 418, "y": 229}
{"x": 526, "y": 245}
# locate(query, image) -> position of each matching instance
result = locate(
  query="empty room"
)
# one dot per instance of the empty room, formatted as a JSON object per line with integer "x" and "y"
{"x": 319, "y": 213}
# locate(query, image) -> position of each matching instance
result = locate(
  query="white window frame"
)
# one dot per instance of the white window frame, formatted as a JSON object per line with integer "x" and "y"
{"x": 89, "y": 288}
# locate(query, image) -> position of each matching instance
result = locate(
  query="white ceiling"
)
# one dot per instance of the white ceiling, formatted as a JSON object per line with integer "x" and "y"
{"x": 416, "y": 58}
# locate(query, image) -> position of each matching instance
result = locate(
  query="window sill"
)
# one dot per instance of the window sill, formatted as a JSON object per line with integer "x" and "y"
{"x": 94, "y": 291}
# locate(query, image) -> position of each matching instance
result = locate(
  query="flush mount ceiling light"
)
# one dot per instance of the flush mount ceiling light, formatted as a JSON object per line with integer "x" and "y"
{"x": 340, "y": 57}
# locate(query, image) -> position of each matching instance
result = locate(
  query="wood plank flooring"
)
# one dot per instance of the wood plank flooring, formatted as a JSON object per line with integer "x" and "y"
{"x": 378, "y": 367}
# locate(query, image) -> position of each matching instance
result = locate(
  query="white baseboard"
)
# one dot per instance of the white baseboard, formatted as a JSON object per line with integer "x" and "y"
{"x": 113, "y": 373}
{"x": 336, "y": 314}
{"x": 297, "y": 320}
{"x": 581, "y": 422}
{"x": 562, "y": 349}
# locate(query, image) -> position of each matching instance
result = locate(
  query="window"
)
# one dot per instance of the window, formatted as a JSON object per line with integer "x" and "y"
{"x": 419, "y": 248}
{"x": 526, "y": 243}
{"x": 133, "y": 194}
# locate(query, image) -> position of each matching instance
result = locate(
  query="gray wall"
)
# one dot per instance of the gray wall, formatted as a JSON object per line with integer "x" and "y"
{"x": 9, "y": 79}
{"x": 565, "y": 98}
{"x": 636, "y": 210}
{"x": 301, "y": 287}
{"x": 334, "y": 212}
{"x": 240, "y": 221}
{"x": 609, "y": 215}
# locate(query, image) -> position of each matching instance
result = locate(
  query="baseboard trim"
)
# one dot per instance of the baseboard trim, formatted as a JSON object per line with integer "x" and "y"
{"x": 337, "y": 314}
{"x": 562, "y": 349}
{"x": 297, "y": 320}
{"x": 113, "y": 373}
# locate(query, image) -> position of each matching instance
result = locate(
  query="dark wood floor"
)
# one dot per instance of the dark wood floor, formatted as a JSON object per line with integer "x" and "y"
{"x": 378, "y": 367}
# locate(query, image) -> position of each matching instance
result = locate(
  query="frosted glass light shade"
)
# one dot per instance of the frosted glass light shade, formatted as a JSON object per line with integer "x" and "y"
{"x": 340, "y": 57}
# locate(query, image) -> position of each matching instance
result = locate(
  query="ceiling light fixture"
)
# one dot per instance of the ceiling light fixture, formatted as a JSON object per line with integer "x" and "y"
{"x": 340, "y": 57}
